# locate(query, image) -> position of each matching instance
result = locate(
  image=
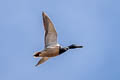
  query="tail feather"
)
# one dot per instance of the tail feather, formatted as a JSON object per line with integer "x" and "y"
{"x": 42, "y": 60}
{"x": 37, "y": 54}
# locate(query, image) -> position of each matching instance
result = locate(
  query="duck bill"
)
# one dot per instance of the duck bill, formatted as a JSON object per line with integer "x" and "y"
{"x": 79, "y": 46}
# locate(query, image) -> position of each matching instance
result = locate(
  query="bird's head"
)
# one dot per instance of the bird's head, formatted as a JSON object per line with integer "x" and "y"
{"x": 74, "y": 46}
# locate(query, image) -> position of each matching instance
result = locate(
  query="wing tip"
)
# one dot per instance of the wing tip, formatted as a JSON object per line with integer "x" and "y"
{"x": 43, "y": 13}
{"x": 36, "y": 65}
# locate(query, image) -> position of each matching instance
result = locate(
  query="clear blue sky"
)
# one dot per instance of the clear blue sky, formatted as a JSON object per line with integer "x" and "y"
{"x": 95, "y": 24}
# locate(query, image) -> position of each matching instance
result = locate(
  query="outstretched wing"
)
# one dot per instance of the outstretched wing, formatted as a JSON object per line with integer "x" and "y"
{"x": 42, "y": 60}
{"x": 50, "y": 32}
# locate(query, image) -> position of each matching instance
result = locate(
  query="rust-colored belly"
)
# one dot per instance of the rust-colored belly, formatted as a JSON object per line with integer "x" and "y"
{"x": 50, "y": 52}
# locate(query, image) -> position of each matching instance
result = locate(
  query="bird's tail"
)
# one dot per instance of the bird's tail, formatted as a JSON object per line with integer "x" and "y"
{"x": 36, "y": 55}
{"x": 42, "y": 60}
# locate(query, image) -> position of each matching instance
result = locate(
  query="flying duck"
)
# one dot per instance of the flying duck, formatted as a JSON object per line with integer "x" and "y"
{"x": 52, "y": 48}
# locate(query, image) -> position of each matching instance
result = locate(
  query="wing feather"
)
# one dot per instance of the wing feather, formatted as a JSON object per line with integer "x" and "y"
{"x": 50, "y": 32}
{"x": 42, "y": 60}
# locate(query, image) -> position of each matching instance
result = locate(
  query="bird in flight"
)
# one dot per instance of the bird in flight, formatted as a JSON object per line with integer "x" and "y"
{"x": 52, "y": 48}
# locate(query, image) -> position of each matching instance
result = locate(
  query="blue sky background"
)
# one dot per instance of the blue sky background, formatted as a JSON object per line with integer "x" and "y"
{"x": 95, "y": 24}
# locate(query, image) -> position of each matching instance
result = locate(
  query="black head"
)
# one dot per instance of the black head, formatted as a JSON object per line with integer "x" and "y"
{"x": 74, "y": 46}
